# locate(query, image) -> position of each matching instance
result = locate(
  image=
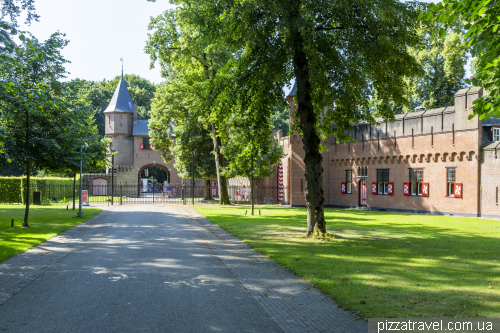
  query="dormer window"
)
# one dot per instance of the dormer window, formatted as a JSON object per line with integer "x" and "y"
{"x": 496, "y": 134}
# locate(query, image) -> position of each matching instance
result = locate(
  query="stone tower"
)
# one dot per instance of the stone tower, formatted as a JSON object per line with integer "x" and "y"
{"x": 119, "y": 117}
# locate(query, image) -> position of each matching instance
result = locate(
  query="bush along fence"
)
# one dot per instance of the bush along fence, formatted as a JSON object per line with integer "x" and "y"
{"x": 120, "y": 194}
{"x": 13, "y": 189}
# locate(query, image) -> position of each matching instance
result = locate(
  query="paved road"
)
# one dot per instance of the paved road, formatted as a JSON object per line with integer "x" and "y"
{"x": 162, "y": 269}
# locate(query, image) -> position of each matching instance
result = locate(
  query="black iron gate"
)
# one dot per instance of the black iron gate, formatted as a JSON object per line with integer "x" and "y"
{"x": 174, "y": 194}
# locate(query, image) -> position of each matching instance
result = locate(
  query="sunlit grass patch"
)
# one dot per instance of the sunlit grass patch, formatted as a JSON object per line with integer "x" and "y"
{"x": 382, "y": 264}
{"x": 45, "y": 223}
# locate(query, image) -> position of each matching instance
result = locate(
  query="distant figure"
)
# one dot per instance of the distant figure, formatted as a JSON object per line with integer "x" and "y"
{"x": 169, "y": 190}
{"x": 244, "y": 194}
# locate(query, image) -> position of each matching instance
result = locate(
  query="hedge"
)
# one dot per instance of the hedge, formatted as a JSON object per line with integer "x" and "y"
{"x": 13, "y": 189}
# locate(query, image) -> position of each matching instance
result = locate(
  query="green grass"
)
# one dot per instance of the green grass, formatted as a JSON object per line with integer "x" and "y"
{"x": 382, "y": 264}
{"x": 45, "y": 222}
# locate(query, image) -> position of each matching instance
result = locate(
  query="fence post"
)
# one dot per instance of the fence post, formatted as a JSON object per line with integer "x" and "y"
{"x": 121, "y": 194}
{"x": 153, "y": 193}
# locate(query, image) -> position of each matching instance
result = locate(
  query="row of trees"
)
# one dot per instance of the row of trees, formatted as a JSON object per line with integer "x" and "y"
{"x": 43, "y": 123}
{"x": 226, "y": 63}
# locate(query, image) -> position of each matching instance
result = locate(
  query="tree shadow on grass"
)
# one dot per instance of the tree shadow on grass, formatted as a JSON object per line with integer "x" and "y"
{"x": 426, "y": 266}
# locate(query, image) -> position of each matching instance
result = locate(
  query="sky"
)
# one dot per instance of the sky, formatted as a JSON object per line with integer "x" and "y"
{"x": 100, "y": 33}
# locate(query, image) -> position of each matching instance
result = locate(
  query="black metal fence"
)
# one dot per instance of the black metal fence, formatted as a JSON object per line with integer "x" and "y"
{"x": 129, "y": 194}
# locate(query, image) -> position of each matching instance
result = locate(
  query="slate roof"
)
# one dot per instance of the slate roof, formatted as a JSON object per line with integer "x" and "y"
{"x": 491, "y": 121}
{"x": 121, "y": 100}
{"x": 140, "y": 128}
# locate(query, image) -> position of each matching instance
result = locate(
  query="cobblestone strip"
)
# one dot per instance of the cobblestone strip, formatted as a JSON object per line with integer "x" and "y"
{"x": 18, "y": 271}
{"x": 292, "y": 302}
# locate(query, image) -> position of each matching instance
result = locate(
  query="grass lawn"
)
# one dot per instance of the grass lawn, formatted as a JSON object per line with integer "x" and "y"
{"x": 382, "y": 264}
{"x": 45, "y": 222}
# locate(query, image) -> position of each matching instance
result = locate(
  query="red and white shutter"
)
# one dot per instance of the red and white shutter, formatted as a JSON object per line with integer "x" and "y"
{"x": 458, "y": 190}
{"x": 344, "y": 188}
{"x": 390, "y": 188}
{"x": 214, "y": 188}
{"x": 374, "y": 188}
{"x": 425, "y": 189}
{"x": 280, "y": 182}
{"x": 142, "y": 145}
{"x": 406, "y": 188}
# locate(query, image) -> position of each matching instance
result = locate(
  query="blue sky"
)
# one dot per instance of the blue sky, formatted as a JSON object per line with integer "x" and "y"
{"x": 100, "y": 33}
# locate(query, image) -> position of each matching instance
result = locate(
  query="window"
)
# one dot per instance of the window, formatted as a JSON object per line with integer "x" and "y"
{"x": 450, "y": 180}
{"x": 348, "y": 180}
{"x": 496, "y": 134}
{"x": 363, "y": 171}
{"x": 416, "y": 179}
{"x": 145, "y": 141}
{"x": 382, "y": 180}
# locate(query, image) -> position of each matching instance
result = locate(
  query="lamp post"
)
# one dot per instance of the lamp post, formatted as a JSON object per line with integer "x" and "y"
{"x": 80, "y": 190}
{"x": 112, "y": 175}
{"x": 194, "y": 153}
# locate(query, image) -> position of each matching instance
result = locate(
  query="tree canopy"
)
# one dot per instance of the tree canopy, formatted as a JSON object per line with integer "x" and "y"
{"x": 482, "y": 20}
{"x": 42, "y": 122}
{"x": 340, "y": 54}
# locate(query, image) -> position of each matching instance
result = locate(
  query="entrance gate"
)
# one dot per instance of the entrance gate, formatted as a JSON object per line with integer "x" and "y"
{"x": 131, "y": 194}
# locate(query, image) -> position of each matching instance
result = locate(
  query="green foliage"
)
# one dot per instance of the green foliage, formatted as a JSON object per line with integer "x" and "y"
{"x": 443, "y": 264}
{"x": 443, "y": 61}
{"x": 191, "y": 136}
{"x": 280, "y": 118}
{"x": 10, "y": 190}
{"x": 251, "y": 150}
{"x": 482, "y": 19}
{"x": 13, "y": 189}
{"x": 192, "y": 67}
{"x": 99, "y": 94}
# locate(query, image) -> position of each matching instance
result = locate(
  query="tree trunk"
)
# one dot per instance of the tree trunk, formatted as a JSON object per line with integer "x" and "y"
{"x": 28, "y": 189}
{"x": 74, "y": 189}
{"x": 208, "y": 193}
{"x": 219, "y": 163}
{"x": 313, "y": 159}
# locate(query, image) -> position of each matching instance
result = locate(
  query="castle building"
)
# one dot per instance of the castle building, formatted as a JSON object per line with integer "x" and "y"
{"x": 130, "y": 137}
{"x": 434, "y": 161}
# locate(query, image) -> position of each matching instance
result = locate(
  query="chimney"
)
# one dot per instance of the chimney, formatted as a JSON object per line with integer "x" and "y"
{"x": 463, "y": 108}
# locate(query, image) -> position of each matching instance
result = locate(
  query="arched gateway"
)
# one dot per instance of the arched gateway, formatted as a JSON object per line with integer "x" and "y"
{"x": 130, "y": 138}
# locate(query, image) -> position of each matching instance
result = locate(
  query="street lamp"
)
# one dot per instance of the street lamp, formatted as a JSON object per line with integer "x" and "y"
{"x": 112, "y": 175}
{"x": 194, "y": 153}
{"x": 80, "y": 194}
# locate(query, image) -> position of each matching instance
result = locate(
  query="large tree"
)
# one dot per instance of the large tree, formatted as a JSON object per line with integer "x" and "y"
{"x": 191, "y": 66}
{"x": 341, "y": 53}
{"x": 251, "y": 150}
{"x": 443, "y": 61}
{"x": 192, "y": 136}
{"x": 482, "y": 21}
{"x": 41, "y": 120}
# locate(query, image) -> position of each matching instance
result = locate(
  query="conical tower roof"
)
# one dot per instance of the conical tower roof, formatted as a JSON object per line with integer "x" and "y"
{"x": 121, "y": 101}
